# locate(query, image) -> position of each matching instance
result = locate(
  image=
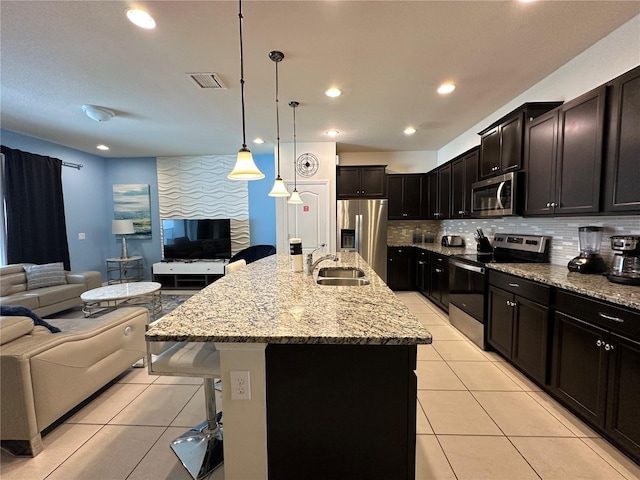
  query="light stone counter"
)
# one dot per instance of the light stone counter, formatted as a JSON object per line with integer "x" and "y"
{"x": 596, "y": 286}
{"x": 266, "y": 303}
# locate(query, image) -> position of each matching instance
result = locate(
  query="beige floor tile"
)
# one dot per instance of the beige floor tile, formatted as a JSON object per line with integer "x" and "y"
{"x": 422, "y": 424}
{"x": 171, "y": 380}
{"x": 569, "y": 420}
{"x": 430, "y": 319}
{"x": 194, "y": 412}
{"x": 431, "y": 463}
{"x": 434, "y": 375}
{"x": 516, "y": 413}
{"x": 564, "y": 458}
{"x": 111, "y": 402}
{"x": 493, "y": 356}
{"x": 459, "y": 351}
{"x": 483, "y": 376}
{"x": 444, "y": 332}
{"x": 410, "y": 298}
{"x": 485, "y": 457}
{"x": 157, "y": 405}
{"x": 518, "y": 377}
{"x": 111, "y": 454}
{"x": 417, "y": 308}
{"x": 427, "y": 352}
{"x": 59, "y": 445}
{"x": 614, "y": 457}
{"x": 456, "y": 413}
{"x": 138, "y": 375}
{"x": 161, "y": 463}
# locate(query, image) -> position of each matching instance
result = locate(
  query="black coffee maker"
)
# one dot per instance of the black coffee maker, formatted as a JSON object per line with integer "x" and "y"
{"x": 625, "y": 267}
{"x": 589, "y": 260}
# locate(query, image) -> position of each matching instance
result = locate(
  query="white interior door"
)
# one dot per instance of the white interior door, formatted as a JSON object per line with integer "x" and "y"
{"x": 310, "y": 221}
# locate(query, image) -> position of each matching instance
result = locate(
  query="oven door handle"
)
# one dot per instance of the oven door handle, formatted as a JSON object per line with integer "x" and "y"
{"x": 499, "y": 194}
{"x": 466, "y": 266}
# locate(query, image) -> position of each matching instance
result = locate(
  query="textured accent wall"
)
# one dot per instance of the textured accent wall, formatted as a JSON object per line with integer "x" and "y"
{"x": 563, "y": 230}
{"x": 198, "y": 187}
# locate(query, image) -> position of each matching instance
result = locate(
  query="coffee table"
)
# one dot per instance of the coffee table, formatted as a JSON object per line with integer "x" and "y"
{"x": 110, "y": 297}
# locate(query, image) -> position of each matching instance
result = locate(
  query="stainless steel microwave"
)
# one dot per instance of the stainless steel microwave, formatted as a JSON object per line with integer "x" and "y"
{"x": 497, "y": 196}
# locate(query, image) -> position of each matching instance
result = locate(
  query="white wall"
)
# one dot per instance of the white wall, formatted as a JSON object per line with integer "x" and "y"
{"x": 613, "y": 55}
{"x": 397, "y": 162}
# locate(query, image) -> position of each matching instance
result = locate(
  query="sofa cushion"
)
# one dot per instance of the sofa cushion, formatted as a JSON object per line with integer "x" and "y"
{"x": 59, "y": 293}
{"x": 47, "y": 275}
{"x": 20, "y": 311}
{"x": 12, "y": 328}
{"x": 25, "y": 299}
{"x": 14, "y": 280}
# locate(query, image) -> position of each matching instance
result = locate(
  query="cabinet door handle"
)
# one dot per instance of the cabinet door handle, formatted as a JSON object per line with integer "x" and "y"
{"x": 514, "y": 285}
{"x": 609, "y": 317}
{"x": 548, "y": 204}
{"x": 599, "y": 343}
{"x": 608, "y": 347}
{"x": 438, "y": 270}
{"x": 511, "y": 304}
{"x": 404, "y": 214}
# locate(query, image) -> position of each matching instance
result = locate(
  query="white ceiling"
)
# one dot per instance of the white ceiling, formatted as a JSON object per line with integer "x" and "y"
{"x": 388, "y": 57}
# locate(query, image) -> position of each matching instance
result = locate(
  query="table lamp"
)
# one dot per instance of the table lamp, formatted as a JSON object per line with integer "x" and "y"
{"x": 124, "y": 228}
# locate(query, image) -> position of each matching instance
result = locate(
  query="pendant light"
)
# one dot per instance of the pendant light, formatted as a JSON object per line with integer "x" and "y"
{"x": 245, "y": 168}
{"x": 279, "y": 189}
{"x": 295, "y": 196}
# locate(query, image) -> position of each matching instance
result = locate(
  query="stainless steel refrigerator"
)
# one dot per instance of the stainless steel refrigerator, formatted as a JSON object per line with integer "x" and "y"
{"x": 362, "y": 228}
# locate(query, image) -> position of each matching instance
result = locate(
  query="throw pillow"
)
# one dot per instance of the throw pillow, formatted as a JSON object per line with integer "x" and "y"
{"x": 46, "y": 275}
{"x": 20, "y": 311}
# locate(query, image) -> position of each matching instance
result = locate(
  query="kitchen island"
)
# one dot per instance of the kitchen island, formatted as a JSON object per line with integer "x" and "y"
{"x": 332, "y": 382}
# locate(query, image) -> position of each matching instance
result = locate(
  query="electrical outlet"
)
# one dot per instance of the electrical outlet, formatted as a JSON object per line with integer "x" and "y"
{"x": 81, "y": 236}
{"x": 240, "y": 385}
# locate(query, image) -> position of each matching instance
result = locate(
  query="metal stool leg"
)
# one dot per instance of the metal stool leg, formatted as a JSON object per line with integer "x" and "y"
{"x": 200, "y": 449}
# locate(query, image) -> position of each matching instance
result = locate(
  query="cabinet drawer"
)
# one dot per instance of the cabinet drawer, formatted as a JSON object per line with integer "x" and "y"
{"x": 519, "y": 286}
{"x": 599, "y": 313}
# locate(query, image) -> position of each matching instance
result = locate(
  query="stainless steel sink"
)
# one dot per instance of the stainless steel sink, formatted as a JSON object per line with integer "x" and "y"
{"x": 343, "y": 282}
{"x": 341, "y": 272}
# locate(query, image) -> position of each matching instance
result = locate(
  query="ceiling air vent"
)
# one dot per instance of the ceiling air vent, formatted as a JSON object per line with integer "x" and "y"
{"x": 207, "y": 80}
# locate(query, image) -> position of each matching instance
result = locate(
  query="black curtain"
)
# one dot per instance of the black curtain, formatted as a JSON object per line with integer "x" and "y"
{"x": 36, "y": 226}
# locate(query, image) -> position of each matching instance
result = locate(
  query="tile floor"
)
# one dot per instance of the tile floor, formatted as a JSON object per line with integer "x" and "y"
{"x": 478, "y": 418}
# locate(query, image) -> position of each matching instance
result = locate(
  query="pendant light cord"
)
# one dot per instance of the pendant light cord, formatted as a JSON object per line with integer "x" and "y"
{"x": 295, "y": 180}
{"x": 244, "y": 135}
{"x": 277, "y": 120}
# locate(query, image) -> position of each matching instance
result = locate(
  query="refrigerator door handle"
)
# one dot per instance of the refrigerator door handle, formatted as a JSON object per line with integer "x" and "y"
{"x": 358, "y": 232}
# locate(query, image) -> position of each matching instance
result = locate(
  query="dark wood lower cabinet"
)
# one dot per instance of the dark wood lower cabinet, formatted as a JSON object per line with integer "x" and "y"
{"x": 596, "y": 367}
{"x": 341, "y": 411}
{"x": 400, "y": 268}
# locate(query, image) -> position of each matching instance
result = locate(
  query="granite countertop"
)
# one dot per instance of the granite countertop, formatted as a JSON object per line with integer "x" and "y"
{"x": 267, "y": 303}
{"x": 595, "y": 286}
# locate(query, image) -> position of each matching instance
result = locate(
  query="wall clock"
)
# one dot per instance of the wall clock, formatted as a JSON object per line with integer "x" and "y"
{"x": 307, "y": 165}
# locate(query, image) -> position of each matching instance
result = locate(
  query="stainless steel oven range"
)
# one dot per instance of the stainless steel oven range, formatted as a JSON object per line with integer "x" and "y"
{"x": 468, "y": 279}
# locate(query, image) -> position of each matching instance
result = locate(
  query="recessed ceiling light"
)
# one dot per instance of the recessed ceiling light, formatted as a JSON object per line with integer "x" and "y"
{"x": 141, "y": 18}
{"x": 446, "y": 88}
{"x": 102, "y": 147}
{"x": 332, "y": 133}
{"x": 333, "y": 92}
{"x": 409, "y": 131}
{"x": 258, "y": 140}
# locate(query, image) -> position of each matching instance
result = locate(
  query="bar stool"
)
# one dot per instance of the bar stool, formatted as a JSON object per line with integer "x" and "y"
{"x": 200, "y": 449}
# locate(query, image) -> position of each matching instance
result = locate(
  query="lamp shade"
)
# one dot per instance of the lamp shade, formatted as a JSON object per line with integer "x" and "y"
{"x": 295, "y": 198}
{"x": 245, "y": 168}
{"x": 279, "y": 189}
{"x": 122, "y": 227}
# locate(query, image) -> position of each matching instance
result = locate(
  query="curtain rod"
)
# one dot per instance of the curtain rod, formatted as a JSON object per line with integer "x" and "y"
{"x": 72, "y": 165}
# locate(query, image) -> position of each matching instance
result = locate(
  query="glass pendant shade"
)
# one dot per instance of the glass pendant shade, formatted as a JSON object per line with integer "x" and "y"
{"x": 279, "y": 189}
{"x": 295, "y": 198}
{"x": 245, "y": 168}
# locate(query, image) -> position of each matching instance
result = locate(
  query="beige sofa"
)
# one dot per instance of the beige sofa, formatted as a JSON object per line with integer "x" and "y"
{"x": 43, "y": 375}
{"x": 47, "y": 300}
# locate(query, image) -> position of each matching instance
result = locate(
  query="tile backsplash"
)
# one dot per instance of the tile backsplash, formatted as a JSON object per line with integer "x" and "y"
{"x": 563, "y": 230}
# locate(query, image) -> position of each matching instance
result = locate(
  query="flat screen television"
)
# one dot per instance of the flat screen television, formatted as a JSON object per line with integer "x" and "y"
{"x": 203, "y": 239}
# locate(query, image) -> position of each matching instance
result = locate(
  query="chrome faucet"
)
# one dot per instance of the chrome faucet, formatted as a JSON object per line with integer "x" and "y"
{"x": 311, "y": 265}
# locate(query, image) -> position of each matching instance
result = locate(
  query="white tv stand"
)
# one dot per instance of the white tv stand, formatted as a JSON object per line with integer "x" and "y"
{"x": 188, "y": 274}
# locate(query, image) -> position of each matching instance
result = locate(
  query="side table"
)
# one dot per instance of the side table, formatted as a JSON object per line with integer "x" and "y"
{"x": 124, "y": 270}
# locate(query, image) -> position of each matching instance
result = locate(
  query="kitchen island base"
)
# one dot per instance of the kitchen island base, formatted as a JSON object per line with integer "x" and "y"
{"x": 341, "y": 411}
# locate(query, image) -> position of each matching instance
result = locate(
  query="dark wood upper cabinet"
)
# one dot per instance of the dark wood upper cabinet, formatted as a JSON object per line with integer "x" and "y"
{"x": 444, "y": 192}
{"x": 363, "y": 182}
{"x": 432, "y": 195}
{"x": 563, "y": 157}
{"x": 406, "y": 198}
{"x": 464, "y": 172}
{"x": 622, "y": 158}
{"x": 501, "y": 143}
